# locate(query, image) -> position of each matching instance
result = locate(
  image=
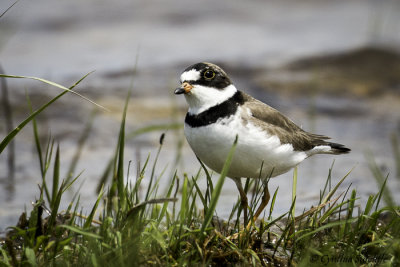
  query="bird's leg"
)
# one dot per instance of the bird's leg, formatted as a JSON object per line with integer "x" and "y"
{"x": 243, "y": 198}
{"x": 264, "y": 203}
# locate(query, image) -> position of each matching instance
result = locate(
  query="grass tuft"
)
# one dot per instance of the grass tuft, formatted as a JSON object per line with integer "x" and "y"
{"x": 133, "y": 224}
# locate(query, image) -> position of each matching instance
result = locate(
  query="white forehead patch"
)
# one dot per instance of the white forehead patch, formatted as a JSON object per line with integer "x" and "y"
{"x": 190, "y": 75}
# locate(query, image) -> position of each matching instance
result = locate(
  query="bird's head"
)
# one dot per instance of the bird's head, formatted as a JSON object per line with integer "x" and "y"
{"x": 205, "y": 85}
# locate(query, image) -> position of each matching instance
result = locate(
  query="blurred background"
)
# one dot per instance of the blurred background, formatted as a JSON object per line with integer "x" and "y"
{"x": 333, "y": 67}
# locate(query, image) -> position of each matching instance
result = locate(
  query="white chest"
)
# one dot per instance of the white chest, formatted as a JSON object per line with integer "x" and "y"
{"x": 256, "y": 153}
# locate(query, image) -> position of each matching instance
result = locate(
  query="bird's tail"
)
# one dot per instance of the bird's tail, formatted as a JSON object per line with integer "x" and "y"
{"x": 338, "y": 149}
{"x": 322, "y": 146}
{"x": 328, "y": 148}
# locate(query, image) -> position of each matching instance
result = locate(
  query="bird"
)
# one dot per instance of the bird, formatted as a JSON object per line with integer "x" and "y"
{"x": 268, "y": 143}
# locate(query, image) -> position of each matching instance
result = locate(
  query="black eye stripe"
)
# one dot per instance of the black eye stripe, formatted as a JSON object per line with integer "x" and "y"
{"x": 210, "y": 76}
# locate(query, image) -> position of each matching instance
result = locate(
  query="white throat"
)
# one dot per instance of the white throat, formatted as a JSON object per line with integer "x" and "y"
{"x": 201, "y": 98}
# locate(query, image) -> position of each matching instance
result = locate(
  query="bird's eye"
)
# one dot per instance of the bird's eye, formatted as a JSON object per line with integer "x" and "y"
{"x": 209, "y": 74}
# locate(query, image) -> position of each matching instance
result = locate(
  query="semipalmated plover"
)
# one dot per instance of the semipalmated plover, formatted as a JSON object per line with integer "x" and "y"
{"x": 268, "y": 144}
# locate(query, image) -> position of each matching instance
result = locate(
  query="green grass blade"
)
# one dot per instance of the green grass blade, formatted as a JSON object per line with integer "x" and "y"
{"x": 381, "y": 192}
{"x": 198, "y": 190}
{"x": 153, "y": 169}
{"x": 164, "y": 208}
{"x": 351, "y": 204}
{"x": 184, "y": 201}
{"x": 327, "y": 182}
{"x": 396, "y": 153}
{"x": 120, "y": 164}
{"x": 46, "y": 161}
{"x": 271, "y": 209}
{"x": 56, "y": 85}
{"x": 9, "y": 122}
{"x": 56, "y": 176}
{"x": 135, "y": 209}
{"x": 105, "y": 175}
{"x": 140, "y": 178}
{"x": 331, "y": 209}
{"x": 14, "y": 132}
{"x": 80, "y": 231}
{"x": 350, "y": 209}
{"x": 294, "y": 190}
{"x": 5, "y": 259}
{"x": 210, "y": 185}
{"x": 330, "y": 194}
{"x": 325, "y": 226}
{"x": 370, "y": 204}
{"x": 36, "y": 136}
{"x": 218, "y": 188}
{"x": 31, "y": 257}
{"x": 89, "y": 219}
{"x": 55, "y": 204}
{"x": 381, "y": 180}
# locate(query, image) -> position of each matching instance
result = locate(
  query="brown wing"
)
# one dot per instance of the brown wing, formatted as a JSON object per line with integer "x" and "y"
{"x": 275, "y": 123}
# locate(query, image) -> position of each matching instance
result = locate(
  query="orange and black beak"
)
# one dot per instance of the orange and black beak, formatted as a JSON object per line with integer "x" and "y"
{"x": 184, "y": 89}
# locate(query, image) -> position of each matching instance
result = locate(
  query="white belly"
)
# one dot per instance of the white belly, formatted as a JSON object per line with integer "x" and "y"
{"x": 257, "y": 153}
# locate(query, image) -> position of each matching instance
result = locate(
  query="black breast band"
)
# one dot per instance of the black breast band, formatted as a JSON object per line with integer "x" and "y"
{"x": 211, "y": 115}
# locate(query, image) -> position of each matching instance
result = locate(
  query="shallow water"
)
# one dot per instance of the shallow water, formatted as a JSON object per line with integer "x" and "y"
{"x": 362, "y": 133}
{"x": 78, "y": 37}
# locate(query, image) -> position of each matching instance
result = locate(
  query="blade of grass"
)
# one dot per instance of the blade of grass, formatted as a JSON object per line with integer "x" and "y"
{"x": 105, "y": 175}
{"x": 153, "y": 169}
{"x": 14, "y": 132}
{"x": 2, "y": 14}
{"x": 396, "y": 153}
{"x": 30, "y": 256}
{"x": 327, "y": 182}
{"x": 289, "y": 228}
{"x": 218, "y": 188}
{"x": 198, "y": 190}
{"x": 56, "y": 202}
{"x": 210, "y": 185}
{"x": 47, "y": 160}
{"x": 8, "y": 117}
{"x": 323, "y": 227}
{"x": 294, "y": 190}
{"x": 184, "y": 201}
{"x": 56, "y": 177}
{"x": 81, "y": 232}
{"x": 191, "y": 213}
{"x": 134, "y": 210}
{"x": 381, "y": 192}
{"x": 331, "y": 208}
{"x": 36, "y": 136}
{"x": 140, "y": 177}
{"x": 56, "y": 85}
{"x": 330, "y": 194}
{"x": 164, "y": 208}
{"x": 5, "y": 258}
{"x": 380, "y": 180}
{"x": 120, "y": 164}
{"x": 271, "y": 209}
{"x": 345, "y": 229}
{"x": 89, "y": 219}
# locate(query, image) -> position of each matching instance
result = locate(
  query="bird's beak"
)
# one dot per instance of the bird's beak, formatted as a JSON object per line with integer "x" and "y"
{"x": 184, "y": 89}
